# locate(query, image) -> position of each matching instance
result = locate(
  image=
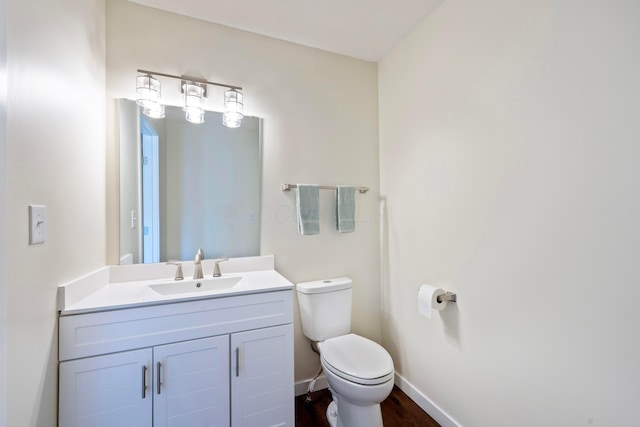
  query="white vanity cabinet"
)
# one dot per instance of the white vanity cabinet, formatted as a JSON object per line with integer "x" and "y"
{"x": 262, "y": 377}
{"x": 106, "y": 390}
{"x": 211, "y": 362}
{"x": 191, "y": 383}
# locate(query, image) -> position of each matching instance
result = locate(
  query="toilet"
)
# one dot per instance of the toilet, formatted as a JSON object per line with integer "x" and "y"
{"x": 359, "y": 371}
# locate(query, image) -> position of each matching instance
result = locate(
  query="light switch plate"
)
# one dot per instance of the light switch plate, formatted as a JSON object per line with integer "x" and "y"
{"x": 37, "y": 224}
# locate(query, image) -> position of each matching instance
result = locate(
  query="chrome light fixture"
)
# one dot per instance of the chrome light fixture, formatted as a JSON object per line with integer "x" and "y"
{"x": 193, "y": 102}
{"x": 155, "y": 112}
{"x": 148, "y": 91}
{"x": 195, "y": 115}
{"x": 194, "y": 90}
{"x": 233, "y": 106}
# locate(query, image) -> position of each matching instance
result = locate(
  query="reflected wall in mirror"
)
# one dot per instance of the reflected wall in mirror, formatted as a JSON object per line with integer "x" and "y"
{"x": 185, "y": 186}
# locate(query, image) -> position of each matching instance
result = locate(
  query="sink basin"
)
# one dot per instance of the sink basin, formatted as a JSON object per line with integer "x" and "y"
{"x": 195, "y": 286}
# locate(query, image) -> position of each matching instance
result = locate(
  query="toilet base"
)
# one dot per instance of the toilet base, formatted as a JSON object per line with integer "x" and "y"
{"x": 353, "y": 415}
{"x": 332, "y": 414}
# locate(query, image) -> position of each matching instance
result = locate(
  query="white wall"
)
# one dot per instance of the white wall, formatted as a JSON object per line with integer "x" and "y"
{"x": 509, "y": 160}
{"x": 3, "y": 213}
{"x": 320, "y": 126}
{"x": 55, "y": 157}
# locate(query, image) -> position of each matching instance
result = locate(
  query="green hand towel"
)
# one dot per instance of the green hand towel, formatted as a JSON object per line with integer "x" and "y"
{"x": 345, "y": 209}
{"x": 308, "y": 209}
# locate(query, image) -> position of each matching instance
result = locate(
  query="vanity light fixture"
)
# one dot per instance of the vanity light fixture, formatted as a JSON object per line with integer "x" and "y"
{"x": 195, "y": 115}
{"x": 155, "y": 112}
{"x": 194, "y": 90}
{"x": 193, "y": 102}
{"x": 233, "y": 106}
{"x": 147, "y": 90}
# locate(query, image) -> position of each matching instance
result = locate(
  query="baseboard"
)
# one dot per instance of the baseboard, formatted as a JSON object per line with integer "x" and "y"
{"x": 444, "y": 419}
{"x": 303, "y": 386}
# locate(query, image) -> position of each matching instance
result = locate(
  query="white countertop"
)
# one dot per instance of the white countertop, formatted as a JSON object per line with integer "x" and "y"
{"x": 99, "y": 291}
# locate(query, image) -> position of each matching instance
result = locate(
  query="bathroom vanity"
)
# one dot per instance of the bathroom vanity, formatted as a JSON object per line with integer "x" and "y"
{"x": 159, "y": 352}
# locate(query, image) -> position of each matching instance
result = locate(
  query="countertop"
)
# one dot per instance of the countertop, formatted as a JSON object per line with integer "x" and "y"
{"x": 99, "y": 292}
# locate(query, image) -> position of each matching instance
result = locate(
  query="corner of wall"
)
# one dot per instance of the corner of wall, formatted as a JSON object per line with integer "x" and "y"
{"x": 3, "y": 216}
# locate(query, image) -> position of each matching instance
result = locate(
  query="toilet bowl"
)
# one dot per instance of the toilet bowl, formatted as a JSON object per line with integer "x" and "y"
{"x": 360, "y": 376}
{"x": 359, "y": 371}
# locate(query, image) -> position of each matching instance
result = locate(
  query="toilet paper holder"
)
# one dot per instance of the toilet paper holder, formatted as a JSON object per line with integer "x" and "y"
{"x": 448, "y": 296}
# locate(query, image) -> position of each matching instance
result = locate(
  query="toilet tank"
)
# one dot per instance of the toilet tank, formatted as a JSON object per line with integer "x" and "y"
{"x": 325, "y": 308}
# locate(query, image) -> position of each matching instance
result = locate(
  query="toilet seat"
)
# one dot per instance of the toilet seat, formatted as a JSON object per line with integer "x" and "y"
{"x": 357, "y": 359}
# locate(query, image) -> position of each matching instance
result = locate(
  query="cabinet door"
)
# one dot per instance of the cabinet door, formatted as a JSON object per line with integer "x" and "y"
{"x": 262, "y": 377}
{"x": 106, "y": 391}
{"x": 191, "y": 383}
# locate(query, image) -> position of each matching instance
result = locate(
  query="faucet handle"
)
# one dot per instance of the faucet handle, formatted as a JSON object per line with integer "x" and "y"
{"x": 216, "y": 268}
{"x": 179, "y": 275}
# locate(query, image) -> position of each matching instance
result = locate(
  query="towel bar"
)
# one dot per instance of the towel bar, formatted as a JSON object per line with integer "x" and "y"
{"x": 288, "y": 187}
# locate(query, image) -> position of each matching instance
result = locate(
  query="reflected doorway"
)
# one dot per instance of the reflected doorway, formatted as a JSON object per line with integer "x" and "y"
{"x": 150, "y": 193}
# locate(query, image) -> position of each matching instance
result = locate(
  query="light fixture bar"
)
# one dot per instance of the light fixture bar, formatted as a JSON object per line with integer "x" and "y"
{"x": 193, "y": 79}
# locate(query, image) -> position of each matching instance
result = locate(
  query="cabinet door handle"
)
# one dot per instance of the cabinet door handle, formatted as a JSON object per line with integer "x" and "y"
{"x": 144, "y": 381}
{"x": 237, "y": 361}
{"x": 158, "y": 369}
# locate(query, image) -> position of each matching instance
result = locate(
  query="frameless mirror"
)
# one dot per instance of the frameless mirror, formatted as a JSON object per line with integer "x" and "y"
{"x": 186, "y": 186}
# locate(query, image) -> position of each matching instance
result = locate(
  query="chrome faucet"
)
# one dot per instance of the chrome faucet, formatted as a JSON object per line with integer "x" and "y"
{"x": 197, "y": 272}
{"x": 179, "y": 275}
{"x": 216, "y": 268}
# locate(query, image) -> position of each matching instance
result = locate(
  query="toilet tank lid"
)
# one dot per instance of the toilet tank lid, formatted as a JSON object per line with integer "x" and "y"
{"x": 326, "y": 285}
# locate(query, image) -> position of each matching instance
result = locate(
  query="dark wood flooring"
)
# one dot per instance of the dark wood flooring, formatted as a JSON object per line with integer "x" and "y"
{"x": 397, "y": 411}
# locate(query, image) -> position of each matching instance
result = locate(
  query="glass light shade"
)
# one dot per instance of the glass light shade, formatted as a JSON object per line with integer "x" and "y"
{"x": 233, "y": 108}
{"x": 195, "y": 115}
{"x": 232, "y": 120}
{"x": 193, "y": 96}
{"x": 148, "y": 91}
{"x": 155, "y": 112}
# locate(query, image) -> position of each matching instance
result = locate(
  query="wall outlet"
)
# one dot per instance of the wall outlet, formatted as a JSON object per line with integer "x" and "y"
{"x": 37, "y": 224}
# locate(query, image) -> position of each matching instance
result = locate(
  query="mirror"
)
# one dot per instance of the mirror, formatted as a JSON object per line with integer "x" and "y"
{"x": 186, "y": 186}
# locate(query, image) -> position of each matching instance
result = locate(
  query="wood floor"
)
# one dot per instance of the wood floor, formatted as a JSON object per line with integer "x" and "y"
{"x": 397, "y": 411}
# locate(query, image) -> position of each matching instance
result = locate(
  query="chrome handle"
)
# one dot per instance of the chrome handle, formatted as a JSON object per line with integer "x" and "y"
{"x": 144, "y": 381}
{"x": 216, "y": 267}
{"x": 449, "y": 296}
{"x": 158, "y": 369}
{"x": 179, "y": 275}
{"x": 237, "y": 361}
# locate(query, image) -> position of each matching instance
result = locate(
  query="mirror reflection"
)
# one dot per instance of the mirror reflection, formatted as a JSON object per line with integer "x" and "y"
{"x": 185, "y": 186}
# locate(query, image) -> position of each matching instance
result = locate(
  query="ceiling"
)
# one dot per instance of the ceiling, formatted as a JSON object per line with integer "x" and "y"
{"x": 364, "y": 29}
